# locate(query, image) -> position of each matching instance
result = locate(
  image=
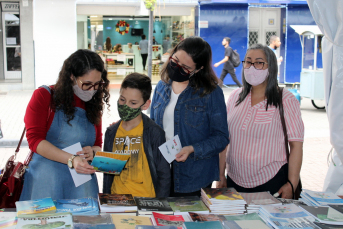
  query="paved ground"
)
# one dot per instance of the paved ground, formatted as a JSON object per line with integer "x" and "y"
{"x": 316, "y": 145}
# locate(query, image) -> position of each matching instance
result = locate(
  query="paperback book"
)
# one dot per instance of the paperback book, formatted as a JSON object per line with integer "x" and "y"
{"x": 283, "y": 211}
{"x": 117, "y": 203}
{"x": 246, "y": 221}
{"x": 82, "y": 206}
{"x": 291, "y": 201}
{"x": 45, "y": 205}
{"x": 93, "y": 222}
{"x": 129, "y": 222}
{"x": 148, "y": 205}
{"x": 187, "y": 204}
{"x": 320, "y": 198}
{"x": 337, "y": 207}
{"x": 8, "y": 220}
{"x": 326, "y": 215}
{"x": 110, "y": 162}
{"x": 327, "y": 226}
{"x": 167, "y": 220}
{"x": 45, "y": 220}
{"x": 155, "y": 227}
{"x": 222, "y": 194}
{"x": 206, "y": 217}
{"x": 203, "y": 225}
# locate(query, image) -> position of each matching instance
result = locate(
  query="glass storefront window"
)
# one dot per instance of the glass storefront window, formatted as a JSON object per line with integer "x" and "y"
{"x": 308, "y": 57}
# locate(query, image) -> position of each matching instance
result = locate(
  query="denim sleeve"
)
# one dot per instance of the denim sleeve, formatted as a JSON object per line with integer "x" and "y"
{"x": 219, "y": 134}
{"x": 152, "y": 111}
{"x": 162, "y": 167}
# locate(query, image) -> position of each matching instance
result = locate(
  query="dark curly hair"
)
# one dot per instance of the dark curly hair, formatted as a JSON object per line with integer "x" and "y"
{"x": 78, "y": 64}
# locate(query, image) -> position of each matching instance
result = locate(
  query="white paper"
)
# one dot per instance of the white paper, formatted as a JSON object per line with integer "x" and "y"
{"x": 121, "y": 72}
{"x": 78, "y": 178}
{"x": 170, "y": 148}
{"x": 11, "y": 40}
{"x": 121, "y": 57}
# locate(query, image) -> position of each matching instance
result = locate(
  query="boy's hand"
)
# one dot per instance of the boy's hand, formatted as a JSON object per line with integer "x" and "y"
{"x": 184, "y": 153}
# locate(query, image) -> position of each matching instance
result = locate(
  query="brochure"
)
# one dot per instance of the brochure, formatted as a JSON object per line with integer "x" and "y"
{"x": 170, "y": 148}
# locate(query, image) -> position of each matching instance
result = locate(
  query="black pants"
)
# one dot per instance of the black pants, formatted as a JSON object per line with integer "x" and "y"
{"x": 144, "y": 57}
{"x": 272, "y": 185}
{"x": 233, "y": 76}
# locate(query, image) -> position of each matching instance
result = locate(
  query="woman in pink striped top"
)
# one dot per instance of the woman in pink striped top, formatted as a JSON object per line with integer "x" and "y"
{"x": 256, "y": 159}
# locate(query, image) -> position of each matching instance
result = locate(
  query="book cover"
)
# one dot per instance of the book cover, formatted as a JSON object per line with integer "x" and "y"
{"x": 283, "y": 211}
{"x": 75, "y": 205}
{"x": 45, "y": 220}
{"x": 167, "y": 220}
{"x": 222, "y": 194}
{"x": 187, "y": 204}
{"x": 35, "y": 206}
{"x": 259, "y": 198}
{"x": 324, "y": 213}
{"x": 203, "y": 225}
{"x": 153, "y": 204}
{"x": 246, "y": 217}
{"x": 93, "y": 221}
{"x": 129, "y": 222}
{"x": 245, "y": 224}
{"x": 301, "y": 223}
{"x": 8, "y": 220}
{"x": 110, "y": 162}
{"x": 337, "y": 207}
{"x": 206, "y": 217}
{"x": 324, "y": 198}
{"x": 116, "y": 199}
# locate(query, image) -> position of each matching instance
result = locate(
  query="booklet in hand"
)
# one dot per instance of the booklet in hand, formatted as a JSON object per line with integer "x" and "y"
{"x": 170, "y": 148}
{"x": 109, "y": 162}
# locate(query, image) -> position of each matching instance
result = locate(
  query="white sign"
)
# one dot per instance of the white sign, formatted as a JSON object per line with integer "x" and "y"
{"x": 25, "y": 3}
{"x": 121, "y": 57}
{"x": 121, "y": 71}
{"x": 203, "y": 24}
{"x": 79, "y": 178}
{"x": 170, "y": 148}
{"x": 10, "y": 6}
{"x": 11, "y": 40}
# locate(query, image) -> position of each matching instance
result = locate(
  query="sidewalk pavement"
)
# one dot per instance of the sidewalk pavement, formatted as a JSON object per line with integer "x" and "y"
{"x": 316, "y": 144}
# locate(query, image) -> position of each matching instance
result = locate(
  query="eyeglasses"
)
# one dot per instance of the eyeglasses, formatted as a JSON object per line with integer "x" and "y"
{"x": 174, "y": 64}
{"x": 88, "y": 86}
{"x": 257, "y": 65}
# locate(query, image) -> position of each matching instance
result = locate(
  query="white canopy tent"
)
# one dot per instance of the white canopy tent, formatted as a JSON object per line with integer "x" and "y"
{"x": 329, "y": 18}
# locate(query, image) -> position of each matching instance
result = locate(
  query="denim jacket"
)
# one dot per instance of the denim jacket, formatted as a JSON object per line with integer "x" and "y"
{"x": 200, "y": 122}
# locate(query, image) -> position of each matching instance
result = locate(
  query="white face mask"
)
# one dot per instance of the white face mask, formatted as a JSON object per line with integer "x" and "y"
{"x": 83, "y": 95}
{"x": 255, "y": 77}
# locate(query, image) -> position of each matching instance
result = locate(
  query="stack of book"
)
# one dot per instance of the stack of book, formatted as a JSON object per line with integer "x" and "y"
{"x": 93, "y": 221}
{"x": 286, "y": 216}
{"x": 45, "y": 205}
{"x": 256, "y": 199}
{"x": 187, "y": 204}
{"x": 313, "y": 198}
{"x": 117, "y": 203}
{"x": 82, "y": 206}
{"x": 148, "y": 205}
{"x": 326, "y": 215}
{"x": 224, "y": 201}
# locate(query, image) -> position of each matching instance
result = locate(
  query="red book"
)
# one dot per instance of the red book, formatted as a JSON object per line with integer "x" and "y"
{"x": 167, "y": 220}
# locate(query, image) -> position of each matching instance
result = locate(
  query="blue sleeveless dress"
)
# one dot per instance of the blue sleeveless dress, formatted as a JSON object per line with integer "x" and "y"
{"x": 46, "y": 178}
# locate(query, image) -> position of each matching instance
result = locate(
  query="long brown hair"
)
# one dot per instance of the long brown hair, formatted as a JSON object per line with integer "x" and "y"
{"x": 78, "y": 64}
{"x": 200, "y": 52}
{"x": 108, "y": 44}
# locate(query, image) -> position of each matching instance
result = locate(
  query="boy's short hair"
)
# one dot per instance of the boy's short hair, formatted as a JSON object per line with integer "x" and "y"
{"x": 143, "y": 36}
{"x": 138, "y": 81}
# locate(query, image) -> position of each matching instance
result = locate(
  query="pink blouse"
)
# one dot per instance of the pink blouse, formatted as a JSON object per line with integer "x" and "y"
{"x": 257, "y": 149}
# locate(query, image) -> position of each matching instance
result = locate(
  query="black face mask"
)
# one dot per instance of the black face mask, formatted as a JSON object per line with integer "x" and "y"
{"x": 175, "y": 74}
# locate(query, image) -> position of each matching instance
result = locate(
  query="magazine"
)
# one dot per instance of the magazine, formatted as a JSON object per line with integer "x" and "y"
{"x": 187, "y": 204}
{"x": 148, "y": 205}
{"x": 109, "y": 162}
{"x": 53, "y": 220}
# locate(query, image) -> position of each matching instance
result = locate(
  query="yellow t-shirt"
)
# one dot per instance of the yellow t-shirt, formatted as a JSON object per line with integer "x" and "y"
{"x": 135, "y": 177}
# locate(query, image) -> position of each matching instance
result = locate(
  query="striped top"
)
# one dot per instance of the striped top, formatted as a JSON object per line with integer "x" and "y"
{"x": 257, "y": 149}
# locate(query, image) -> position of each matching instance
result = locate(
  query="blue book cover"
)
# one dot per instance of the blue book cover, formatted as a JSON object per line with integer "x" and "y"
{"x": 323, "y": 198}
{"x": 284, "y": 211}
{"x": 76, "y": 205}
{"x": 203, "y": 225}
{"x": 45, "y": 205}
{"x": 110, "y": 162}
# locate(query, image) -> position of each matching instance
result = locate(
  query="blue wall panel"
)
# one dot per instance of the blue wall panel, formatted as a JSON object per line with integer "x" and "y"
{"x": 297, "y": 15}
{"x": 225, "y": 20}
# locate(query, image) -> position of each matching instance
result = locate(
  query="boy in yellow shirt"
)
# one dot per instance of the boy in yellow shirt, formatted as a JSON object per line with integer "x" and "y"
{"x": 146, "y": 173}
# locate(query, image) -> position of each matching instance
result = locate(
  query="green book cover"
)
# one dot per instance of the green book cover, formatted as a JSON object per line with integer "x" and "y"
{"x": 187, "y": 204}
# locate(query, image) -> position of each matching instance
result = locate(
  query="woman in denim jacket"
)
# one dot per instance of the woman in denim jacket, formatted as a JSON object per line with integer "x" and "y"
{"x": 189, "y": 103}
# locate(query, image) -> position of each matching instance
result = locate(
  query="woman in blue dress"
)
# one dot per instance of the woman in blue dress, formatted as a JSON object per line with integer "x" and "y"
{"x": 60, "y": 116}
